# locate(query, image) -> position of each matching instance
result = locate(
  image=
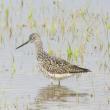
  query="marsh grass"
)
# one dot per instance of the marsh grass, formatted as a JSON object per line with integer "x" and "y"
{"x": 84, "y": 36}
{"x": 86, "y": 28}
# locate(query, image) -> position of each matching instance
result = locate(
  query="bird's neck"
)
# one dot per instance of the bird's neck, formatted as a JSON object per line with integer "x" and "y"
{"x": 39, "y": 48}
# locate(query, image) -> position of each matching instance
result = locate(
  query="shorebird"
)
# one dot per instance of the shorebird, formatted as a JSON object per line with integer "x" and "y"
{"x": 53, "y": 67}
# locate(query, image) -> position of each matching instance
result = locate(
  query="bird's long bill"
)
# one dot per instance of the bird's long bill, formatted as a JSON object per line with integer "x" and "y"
{"x": 23, "y": 44}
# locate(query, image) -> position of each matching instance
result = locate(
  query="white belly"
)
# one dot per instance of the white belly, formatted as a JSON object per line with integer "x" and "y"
{"x": 59, "y": 76}
{"x": 54, "y": 76}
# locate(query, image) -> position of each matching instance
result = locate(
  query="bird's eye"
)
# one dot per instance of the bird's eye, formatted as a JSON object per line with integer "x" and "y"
{"x": 32, "y": 38}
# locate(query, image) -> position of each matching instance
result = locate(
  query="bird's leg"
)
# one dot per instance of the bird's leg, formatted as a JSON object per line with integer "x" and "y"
{"x": 59, "y": 83}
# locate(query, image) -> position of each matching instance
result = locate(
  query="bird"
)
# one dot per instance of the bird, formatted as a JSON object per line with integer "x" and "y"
{"x": 53, "y": 67}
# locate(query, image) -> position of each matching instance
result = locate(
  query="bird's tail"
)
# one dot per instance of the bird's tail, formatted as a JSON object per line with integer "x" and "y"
{"x": 76, "y": 69}
{"x": 86, "y": 70}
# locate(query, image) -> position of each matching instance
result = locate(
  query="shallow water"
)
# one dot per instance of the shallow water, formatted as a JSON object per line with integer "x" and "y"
{"x": 83, "y": 25}
{"x": 35, "y": 92}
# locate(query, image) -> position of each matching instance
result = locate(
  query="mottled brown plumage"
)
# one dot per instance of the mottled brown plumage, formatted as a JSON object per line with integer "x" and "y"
{"x": 54, "y": 67}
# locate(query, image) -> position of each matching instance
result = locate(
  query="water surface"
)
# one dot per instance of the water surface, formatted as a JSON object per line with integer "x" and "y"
{"x": 75, "y": 30}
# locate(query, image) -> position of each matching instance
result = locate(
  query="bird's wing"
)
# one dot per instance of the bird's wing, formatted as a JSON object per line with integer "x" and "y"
{"x": 60, "y": 66}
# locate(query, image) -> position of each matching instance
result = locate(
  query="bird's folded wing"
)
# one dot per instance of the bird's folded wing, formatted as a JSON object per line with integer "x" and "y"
{"x": 60, "y": 66}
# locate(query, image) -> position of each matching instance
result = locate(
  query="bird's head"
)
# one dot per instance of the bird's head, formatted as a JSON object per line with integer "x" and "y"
{"x": 34, "y": 37}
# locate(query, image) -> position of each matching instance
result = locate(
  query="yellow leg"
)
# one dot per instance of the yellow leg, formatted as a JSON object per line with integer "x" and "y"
{"x": 59, "y": 82}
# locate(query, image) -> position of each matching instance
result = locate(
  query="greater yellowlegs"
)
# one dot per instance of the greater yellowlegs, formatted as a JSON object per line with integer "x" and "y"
{"x": 53, "y": 67}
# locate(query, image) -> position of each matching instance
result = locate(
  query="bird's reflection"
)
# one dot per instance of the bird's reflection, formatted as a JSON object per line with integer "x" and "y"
{"x": 55, "y": 93}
